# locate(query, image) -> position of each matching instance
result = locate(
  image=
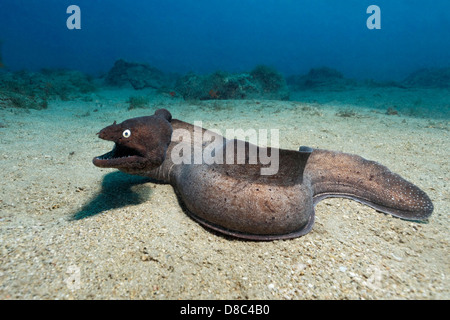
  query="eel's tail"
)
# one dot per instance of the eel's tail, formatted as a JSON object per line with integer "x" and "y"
{"x": 335, "y": 174}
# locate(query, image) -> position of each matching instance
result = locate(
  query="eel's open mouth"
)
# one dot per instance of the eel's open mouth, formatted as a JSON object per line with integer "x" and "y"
{"x": 120, "y": 157}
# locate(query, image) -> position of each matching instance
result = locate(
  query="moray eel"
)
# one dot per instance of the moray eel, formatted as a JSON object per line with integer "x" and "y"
{"x": 232, "y": 196}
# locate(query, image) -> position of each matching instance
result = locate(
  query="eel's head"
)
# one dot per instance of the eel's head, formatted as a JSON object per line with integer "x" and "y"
{"x": 140, "y": 143}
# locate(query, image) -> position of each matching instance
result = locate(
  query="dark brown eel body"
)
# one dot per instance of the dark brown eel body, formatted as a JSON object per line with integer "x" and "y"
{"x": 236, "y": 199}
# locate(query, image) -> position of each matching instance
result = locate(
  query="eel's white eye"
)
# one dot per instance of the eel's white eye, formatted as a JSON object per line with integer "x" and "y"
{"x": 127, "y": 133}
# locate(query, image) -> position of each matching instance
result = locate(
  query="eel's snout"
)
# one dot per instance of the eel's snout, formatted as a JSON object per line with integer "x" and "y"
{"x": 103, "y": 134}
{"x": 110, "y": 133}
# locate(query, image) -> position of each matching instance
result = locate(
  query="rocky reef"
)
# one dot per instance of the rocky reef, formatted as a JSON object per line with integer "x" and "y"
{"x": 138, "y": 75}
{"x": 318, "y": 78}
{"x": 429, "y": 78}
{"x": 32, "y": 90}
{"x": 261, "y": 83}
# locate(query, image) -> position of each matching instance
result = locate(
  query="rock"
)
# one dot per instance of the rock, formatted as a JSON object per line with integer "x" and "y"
{"x": 391, "y": 111}
{"x": 31, "y": 90}
{"x": 319, "y": 77}
{"x": 193, "y": 86}
{"x": 270, "y": 82}
{"x": 431, "y": 78}
{"x": 261, "y": 83}
{"x": 10, "y": 99}
{"x": 139, "y": 75}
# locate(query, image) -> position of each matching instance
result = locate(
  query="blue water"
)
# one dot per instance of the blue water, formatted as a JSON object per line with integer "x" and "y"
{"x": 233, "y": 35}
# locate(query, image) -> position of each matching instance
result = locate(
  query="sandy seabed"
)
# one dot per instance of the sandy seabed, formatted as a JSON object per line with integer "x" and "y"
{"x": 69, "y": 230}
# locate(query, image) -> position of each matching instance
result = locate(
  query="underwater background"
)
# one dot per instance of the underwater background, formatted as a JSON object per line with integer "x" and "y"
{"x": 208, "y": 35}
{"x": 326, "y": 74}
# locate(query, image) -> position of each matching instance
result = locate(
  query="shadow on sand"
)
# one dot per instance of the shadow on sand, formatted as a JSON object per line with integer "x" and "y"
{"x": 118, "y": 190}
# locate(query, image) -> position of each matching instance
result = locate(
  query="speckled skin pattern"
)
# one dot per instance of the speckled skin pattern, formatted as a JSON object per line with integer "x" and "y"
{"x": 237, "y": 200}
